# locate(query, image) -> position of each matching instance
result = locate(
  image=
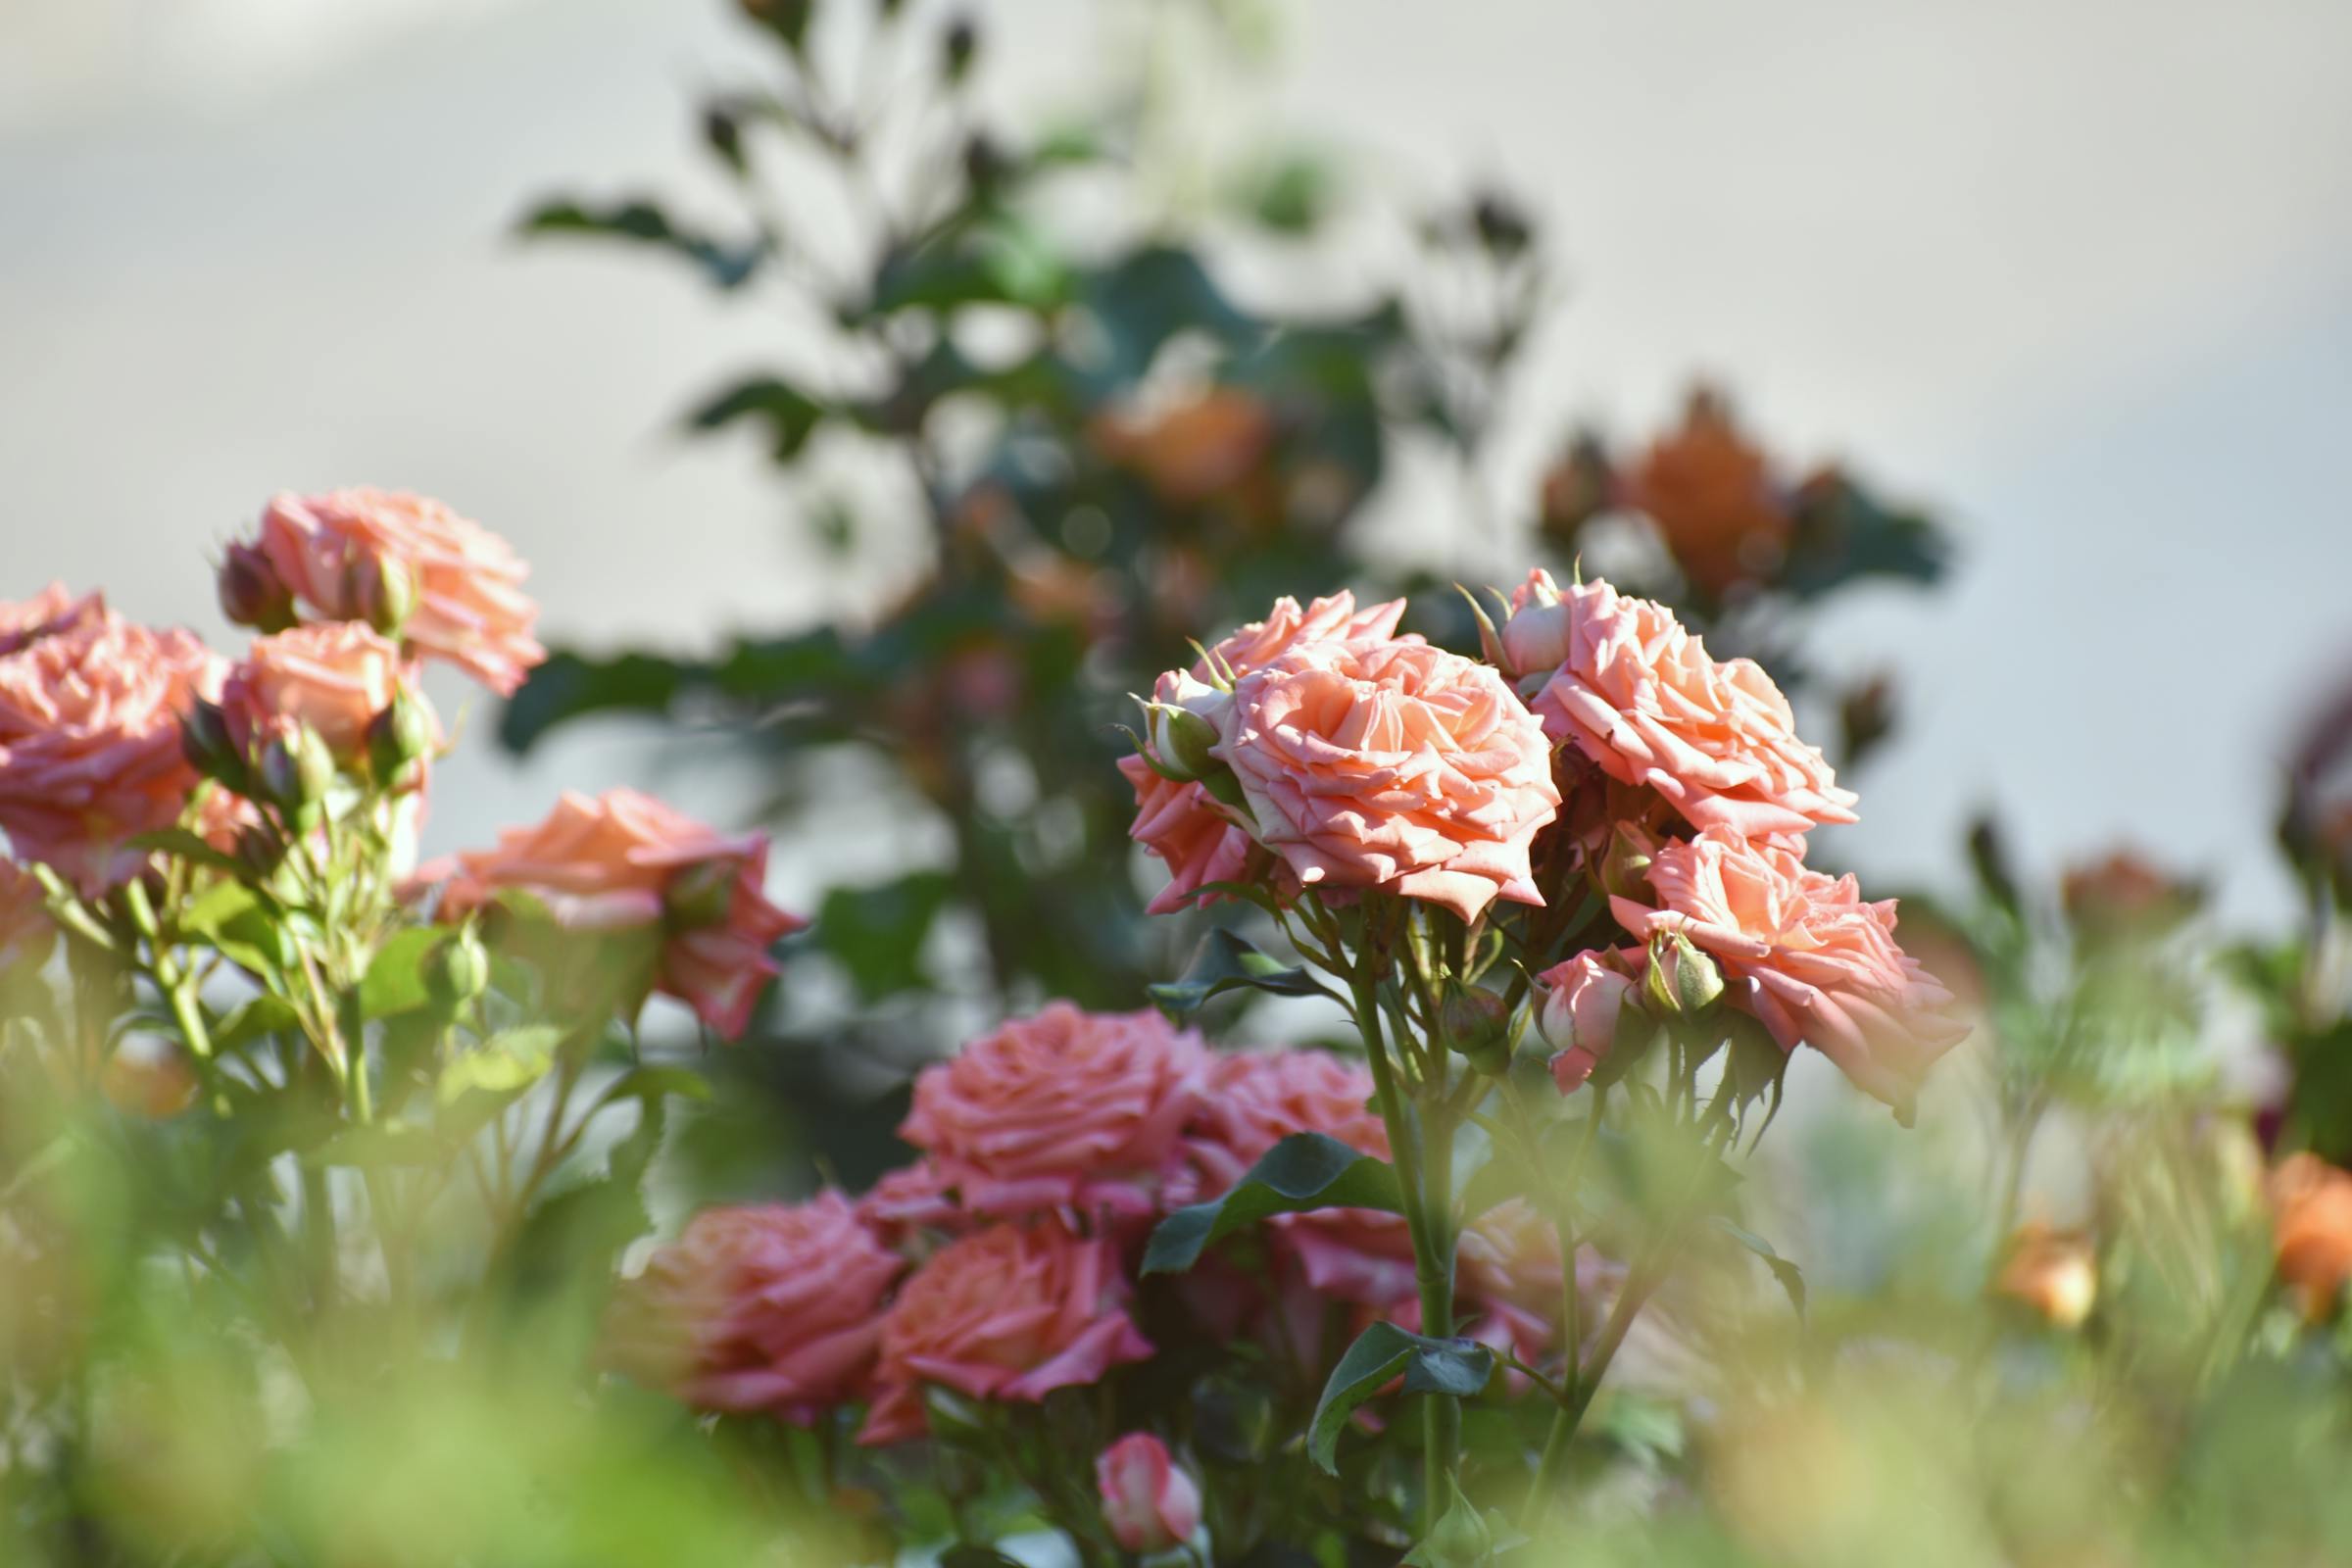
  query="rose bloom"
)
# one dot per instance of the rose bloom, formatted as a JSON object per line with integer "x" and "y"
{"x": 2124, "y": 894}
{"x": 1148, "y": 1503}
{"x": 1713, "y": 498}
{"x": 2311, "y": 1226}
{"x": 89, "y": 741}
{"x": 1819, "y": 966}
{"x": 1066, "y": 1108}
{"x": 1197, "y": 451}
{"x": 1179, "y": 822}
{"x": 470, "y": 608}
{"x": 1011, "y": 1313}
{"x": 1395, "y": 765}
{"x": 774, "y": 1307}
{"x": 1581, "y": 1001}
{"x": 46, "y": 614}
{"x": 623, "y": 861}
{"x": 2054, "y": 1272}
{"x": 1624, "y": 683}
{"x": 335, "y": 677}
{"x": 910, "y": 1201}
{"x": 1258, "y": 1099}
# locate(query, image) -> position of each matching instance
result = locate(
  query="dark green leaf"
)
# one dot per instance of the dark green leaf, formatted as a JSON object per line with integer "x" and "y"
{"x": 1305, "y": 1171}
{"x": 183, "y": 844}
{"x": 729, "y": 266}
{"x": 1782, "y": 1270}
{"x": 1227, "y": 962}
{"x": 263, "y": 1016}
{"x": 877, "y": 932}
{"x": 1459, "y": 1368}
{"x": 788, "y": 415}
{"x": 655, "y": 1083}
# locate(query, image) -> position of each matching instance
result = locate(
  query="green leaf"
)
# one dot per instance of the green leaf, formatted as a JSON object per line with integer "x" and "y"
{"x": 378, "y": 1143}
{"x": 877, "y": 932}
{"x": 230, "y": 918}
{"x": 1304, "y": 1172}
{"x": 966, "y": 1554}
{"x": 728, "y": 265}
{"x": 1792, "y": 1281}
{"x": 789, "y": 415}
{"x": 1226, "y": 963}
{"x": 181, "y": 844}
{"x": 394, "y": 979}
{"x": 1459, "y": 1368}
{"x": 263, "y": 1015}
{"x": 501, "y": 1067}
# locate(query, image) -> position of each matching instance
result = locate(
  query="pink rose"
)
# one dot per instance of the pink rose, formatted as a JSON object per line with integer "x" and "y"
{"x": 1394, "y": 765}
{"x": 46, "y": 614}
{"x": 1812, "y": 961}
{"x": 1149, "y": 1503}
{"x": 1258, "y": 1099}
{"x": 911, "y": 1199}
{"x": 1638, "y": 696}
{"x": 1179, "y": 822}
{"x": 333, "y": 551}
{"x": 90, "y": 740}
{"x": 1011, "y": 1313}
{"x": 622, "y": 861}
{"x": 773, "y": 1307}
{"x": 1581, "y": 1001}
{"x": 335, "y": 677}
{"x": 1063, "y": 1109}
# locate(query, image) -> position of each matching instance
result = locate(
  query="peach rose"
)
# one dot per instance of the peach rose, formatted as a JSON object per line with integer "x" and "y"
{"x": 1258, "y": 1099}
{"x": 2311, "y": 1227}
{"x": 332, "y": 550}
{"x": 1623, "y": 682}
{"x": 1197, "y": 451}
{"x": 1179, "y": 822}
{"x": 1713, "y": 497}
{"x": 335, "y": 677}
{"x": 1149, "y": 1503}
{"x": 1810, "y": 959}
{"x": 1392, "y": 764}
{"x": 1581, "y": 1001}
{"x": 1063, "y": 1109}
{"x": 46, "y": 614}
{"x": 1011, "y": 1313}
{"x": 2054, "y": 1272}
{"x": 89, "y": 741}
{"x": 623, "y": 861}
{"x": 773, "y": 1307}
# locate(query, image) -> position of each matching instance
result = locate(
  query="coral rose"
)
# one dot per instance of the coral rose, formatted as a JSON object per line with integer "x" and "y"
{"x": 1064, "y": 1110}
{"x": 1395, "y": 765}
{"x": 1713, "y": 497}
{"x": 622, "y": 861}
{"x": 909, "y": 1200}
{"x": 1011, "y": 1313}
{"x": 1637, "y": 695}
{"x": 335, "y": 677}
{"x": 1179, "y": 822}
{"x": 774, "y": 1307}
{"x": 2311, "y": 1226}
{"x": 90, "y": 740}
{"x": 1148, "y": 1503}
{"x": 2054, "y": 1272}
{"x": 46, "y": 614}
{"x": 1582, "y": 1001}
{"x": 1817, "y": 964}
{"x": 333, "y": 551}
{"x": 1197, "y": 451}
{"x": 1258, "y": 1099}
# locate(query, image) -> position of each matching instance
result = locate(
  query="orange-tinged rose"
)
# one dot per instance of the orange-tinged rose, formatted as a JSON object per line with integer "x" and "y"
{"x": 1713, "y": 498}
{"x": 2311, "y": 1226}
{"x": 1195, "y": 451}
{"x": 335, "y": 677}
{"x": 2054, "y": 1272}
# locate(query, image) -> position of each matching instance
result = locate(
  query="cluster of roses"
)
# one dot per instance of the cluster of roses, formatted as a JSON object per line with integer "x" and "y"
{"x": 1320, "y": 750}
{"x": 112, "y": 733}
{"x": 1001, "y": 1265}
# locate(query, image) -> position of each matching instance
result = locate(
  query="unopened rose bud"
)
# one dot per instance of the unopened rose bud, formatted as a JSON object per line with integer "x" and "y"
{"x": 259, "y": 849}
{"x": 251, "y": 593}
{"x": 1460, "y": 1539}
{"x": 1477, "y": 1023}
{"x": 1582, "y": 1009}
{"x": 456, "y": 970}
{"x": 205, "y": 741}
{"x": 381, "y": 592}
{"x": 1682, "y": 981}
{"x": 1625, "y": 866}
{"x": 1181, "y": 739}
{"x": 296, "y": 769}
{"x": 400, "y": 735}
{"x": 1149, "y": 1503}
{"x": 700, "y": 895}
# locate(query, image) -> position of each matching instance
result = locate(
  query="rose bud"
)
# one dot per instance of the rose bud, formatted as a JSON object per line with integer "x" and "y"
{"x": 401, "y": 734}
{"x": 295, "y": 769}
{"x": 1149, "y": 1503}
{"x": 1682, "y": 981}
{"x": 1582, "y": 1004}
{"x": 1477, "y": 1023}
{"x": 381, "y": 590}
{"x": 205, "y": 741}
{"x": 251, "y": 593}
{"x": 456, "y": 970}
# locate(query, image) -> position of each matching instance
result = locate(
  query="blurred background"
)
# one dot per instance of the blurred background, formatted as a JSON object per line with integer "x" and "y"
{"x": 2078, "y": 275}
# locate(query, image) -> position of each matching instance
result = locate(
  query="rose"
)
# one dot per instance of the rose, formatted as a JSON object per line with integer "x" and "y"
{"x": 2122, "y": 895}
{"x": 626, "y": 861}
{"x": 1149, "y": 1503}
{"x": 336, "y": 678}
{"x": 1258, "y": 1099}
{"x": 1713, "y": 498}
{"x": 90, "y": 740}
{"x": 1063, "y": 1109}
{"x": 2311, "y": 1228}
{"x": 1813, "y": 961}
{"x": 1582, "y": 1001}
{"x": 1179, "y": 822}
{"x": 2054, "y": 1272}
{"x": 1197, "y": 451}
{"x": 1010, "y": 1313}
{"x": 910, "y": 1200}
{"x": 1395, "y": 765}
{"x": 773, "y": 1307}
{"x": 1624, "y": 683}
{"x": 343, "y": 550}
{"x": 46, "y": 614}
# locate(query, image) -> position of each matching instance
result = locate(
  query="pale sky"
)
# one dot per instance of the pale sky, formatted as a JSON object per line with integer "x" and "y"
{"x": 2079, "y": 274}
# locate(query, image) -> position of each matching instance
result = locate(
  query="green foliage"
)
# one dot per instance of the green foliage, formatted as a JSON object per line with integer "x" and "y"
{"x": 1227, "y": 962}
{"x": 1304, "y": 1172}
{"x": 1459, "y": 1368}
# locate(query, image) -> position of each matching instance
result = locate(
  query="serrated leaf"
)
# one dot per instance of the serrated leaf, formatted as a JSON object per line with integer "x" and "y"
{"x": 1305, "y": 1171}
{"x": 1791, "y": 1280}
{"x": 1226, "y": 963}
{"x": 1459, "y": 1368}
